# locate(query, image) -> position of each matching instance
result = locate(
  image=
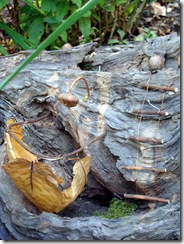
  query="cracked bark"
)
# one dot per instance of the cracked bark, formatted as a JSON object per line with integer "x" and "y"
{"x": 114, "y": 79}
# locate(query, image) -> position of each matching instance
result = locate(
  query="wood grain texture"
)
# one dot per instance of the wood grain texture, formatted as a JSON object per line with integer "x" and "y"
{"x": 114, "y": 80}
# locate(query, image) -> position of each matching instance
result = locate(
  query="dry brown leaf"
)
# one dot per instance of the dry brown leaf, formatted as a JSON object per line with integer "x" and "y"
{"x": 36, "y": 180}
{"x": 13, "y": 148}
{"x": 157, "y": 9}
{"x": 80, "y": 170}
{"x": 40, "y": 185}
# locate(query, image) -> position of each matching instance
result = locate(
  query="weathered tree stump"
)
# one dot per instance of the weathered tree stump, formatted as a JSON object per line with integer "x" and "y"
{"x": 114, "y": 75}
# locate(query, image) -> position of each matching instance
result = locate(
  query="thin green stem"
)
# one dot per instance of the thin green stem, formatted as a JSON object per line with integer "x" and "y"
{"x": 64, "y": 26}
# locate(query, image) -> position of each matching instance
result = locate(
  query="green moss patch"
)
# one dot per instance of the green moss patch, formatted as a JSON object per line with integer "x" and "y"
{"x": 117, "y": 208}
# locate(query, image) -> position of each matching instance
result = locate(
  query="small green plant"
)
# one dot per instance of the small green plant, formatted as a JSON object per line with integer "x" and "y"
{"x": 107, "y": 23}
{"x": 40, "y": 18}
{"x": 147, "y": 33}
{"x": 20, "y": 41}
{"x": 117, "y": 16}
{"x": 41, "y": 24}
{"x": 120, "y": 40}
{"x": 117, "y": 208}
{"x": 85, "y": 98}
{"x": 51, "y": 38}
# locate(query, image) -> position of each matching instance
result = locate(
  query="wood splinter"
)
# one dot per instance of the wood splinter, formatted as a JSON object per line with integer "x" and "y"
{"x": 146, "y": 139}
{"x": 144, "y": 168}
{"x": 165, "y": 88}
{"x": 148, "y": 198}
{"x": 161, "y": 113}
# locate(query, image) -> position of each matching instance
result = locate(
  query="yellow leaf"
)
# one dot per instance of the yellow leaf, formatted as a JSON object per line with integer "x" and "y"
{"x": 13, "y": 148}
{"x": 80, "y": 170}
{"x": 36, "y": 181}
{"x": 40, "y": 185}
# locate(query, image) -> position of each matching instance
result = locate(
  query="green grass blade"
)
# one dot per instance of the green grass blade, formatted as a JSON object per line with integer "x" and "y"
{"x": 3, "y": 50}
{"x": 63, "y": 27}
{"x": 19, "y": 40}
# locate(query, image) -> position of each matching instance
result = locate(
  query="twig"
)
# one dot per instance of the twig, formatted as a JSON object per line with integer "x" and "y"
{"x": 85, "y": 81}
{"x": 76, "y": 151}
{"x": 161, "y": 113}
{"x": 30, "y": 121}
{"x": 41, "y": 156}
{"x": 149, "y": 198}
{"x": 145, "y": 139}
{"x": 165, "y": 88}
{"x": 144, "y": 168}
{"x": 60, "y": 156}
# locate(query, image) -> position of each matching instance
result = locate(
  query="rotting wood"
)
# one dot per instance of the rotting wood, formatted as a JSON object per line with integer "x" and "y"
{"x": 115, "y": 92}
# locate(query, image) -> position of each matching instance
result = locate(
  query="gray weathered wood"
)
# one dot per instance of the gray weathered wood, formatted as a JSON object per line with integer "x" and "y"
{"x": 114, "y": 80}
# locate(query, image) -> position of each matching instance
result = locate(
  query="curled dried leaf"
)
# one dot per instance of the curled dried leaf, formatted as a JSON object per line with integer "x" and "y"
{"x": 13, "y": 148}
{"x": 80, "y": 170}
{"x": 40, "y": 185}
{"x": 36, "y": 180}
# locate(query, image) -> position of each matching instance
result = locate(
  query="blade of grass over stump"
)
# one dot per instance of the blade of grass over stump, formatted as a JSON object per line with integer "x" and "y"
{"x": 64, "y": 26}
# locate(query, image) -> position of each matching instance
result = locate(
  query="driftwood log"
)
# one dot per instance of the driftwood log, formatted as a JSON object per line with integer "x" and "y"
{"x": 114, "y": 75}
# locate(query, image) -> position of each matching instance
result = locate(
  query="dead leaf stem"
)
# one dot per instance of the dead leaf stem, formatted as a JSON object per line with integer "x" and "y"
{"x": 30, "y": 121}
{"x": 76, "y": 80}
{"x": 39, "y": 155}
